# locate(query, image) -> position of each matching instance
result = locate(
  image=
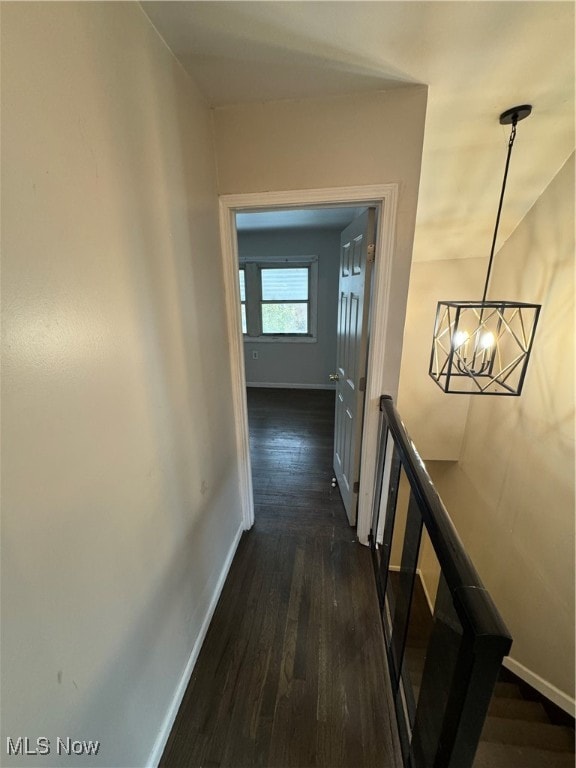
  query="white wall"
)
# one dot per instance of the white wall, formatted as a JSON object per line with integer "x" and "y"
{"x": 370, "y": 138}
{"x": 297, "y": 363}
{"x": 120, "y": 481}
{"x": 512, "y": 497}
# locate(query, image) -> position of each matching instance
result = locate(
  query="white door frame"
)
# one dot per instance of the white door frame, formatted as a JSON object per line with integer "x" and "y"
{"x": 385, "y": 198}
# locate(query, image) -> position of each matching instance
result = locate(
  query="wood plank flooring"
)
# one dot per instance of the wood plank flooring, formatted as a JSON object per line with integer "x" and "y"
{"x": 292, "y": 671}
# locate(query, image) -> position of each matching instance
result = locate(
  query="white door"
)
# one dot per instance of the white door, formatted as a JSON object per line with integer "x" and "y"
{"x": 356, "y": 259}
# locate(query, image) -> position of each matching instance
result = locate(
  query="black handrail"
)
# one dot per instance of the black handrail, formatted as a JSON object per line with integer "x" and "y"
{"x": 468, "y": 637}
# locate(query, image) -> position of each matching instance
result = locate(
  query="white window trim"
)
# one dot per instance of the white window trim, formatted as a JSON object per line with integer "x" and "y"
{"x": 252, "y": 289}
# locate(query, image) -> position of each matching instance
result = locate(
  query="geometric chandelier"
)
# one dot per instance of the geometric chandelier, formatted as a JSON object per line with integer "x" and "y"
{"x": 483, "y": 347}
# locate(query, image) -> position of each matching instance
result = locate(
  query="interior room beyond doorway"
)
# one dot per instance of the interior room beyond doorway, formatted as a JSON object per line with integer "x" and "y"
{"x": 294, "y": 242}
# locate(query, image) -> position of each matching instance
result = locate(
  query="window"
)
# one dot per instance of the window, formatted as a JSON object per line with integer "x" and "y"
{"x": 284, "y": 304}
{"x": 243, "y": 299}
{"x": 278, "y": 299}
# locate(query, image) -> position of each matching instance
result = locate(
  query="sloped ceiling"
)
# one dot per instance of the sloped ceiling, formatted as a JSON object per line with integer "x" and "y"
{"x": 477, "y": 58}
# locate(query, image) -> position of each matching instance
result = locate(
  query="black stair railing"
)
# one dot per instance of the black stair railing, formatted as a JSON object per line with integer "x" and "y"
{"x": 442, "y": 678}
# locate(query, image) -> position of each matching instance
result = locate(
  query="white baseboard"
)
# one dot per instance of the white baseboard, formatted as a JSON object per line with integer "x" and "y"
{"x": 426, "y": 593}
{"x": 279, "y": 385}
{"x": 555, "y": 695}
{"x": 162, "y": 737}
{"x": 396, "y": 569}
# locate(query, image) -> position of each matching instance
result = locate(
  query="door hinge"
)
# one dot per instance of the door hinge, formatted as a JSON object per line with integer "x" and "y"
{"x": 371, "y": 255}
{"x": 356, "y": 487}
{"x": 362, "y": 384}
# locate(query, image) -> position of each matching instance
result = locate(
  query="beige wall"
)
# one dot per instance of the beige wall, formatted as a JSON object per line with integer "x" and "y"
{"x": 120, "y": 488}
{"x": 434, "y": 420}
{"x": 512, "y": 497}
{"x": 364, "y": 139}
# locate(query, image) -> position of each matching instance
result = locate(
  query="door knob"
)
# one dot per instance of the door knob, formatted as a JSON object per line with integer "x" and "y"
{"x": 333, "y": 377}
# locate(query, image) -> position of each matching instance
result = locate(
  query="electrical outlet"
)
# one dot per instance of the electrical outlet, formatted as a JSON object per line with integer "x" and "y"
{"x": 254, "y": 355}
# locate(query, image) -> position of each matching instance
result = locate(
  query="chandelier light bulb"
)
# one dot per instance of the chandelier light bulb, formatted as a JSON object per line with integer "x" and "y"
{"x": 460, "y": 338}
{"x": 487, "y": 340}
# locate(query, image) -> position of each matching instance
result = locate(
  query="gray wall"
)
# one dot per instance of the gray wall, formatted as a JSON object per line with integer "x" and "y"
{"x": 297, "y": 363}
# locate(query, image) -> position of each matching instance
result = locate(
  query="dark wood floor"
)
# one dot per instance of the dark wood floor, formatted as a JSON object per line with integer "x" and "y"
{"x": 292, "y": 669}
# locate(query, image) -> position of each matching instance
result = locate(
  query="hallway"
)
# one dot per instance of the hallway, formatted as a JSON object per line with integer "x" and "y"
{"x": 291, "y": 670}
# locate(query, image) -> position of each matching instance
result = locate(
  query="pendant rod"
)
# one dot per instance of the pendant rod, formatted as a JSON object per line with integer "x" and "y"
{"x": 510, "y": 145}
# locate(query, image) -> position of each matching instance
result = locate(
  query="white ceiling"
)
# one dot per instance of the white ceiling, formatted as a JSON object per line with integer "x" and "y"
{"x": 307, "y": 218}
{"x": 477, "y": 58}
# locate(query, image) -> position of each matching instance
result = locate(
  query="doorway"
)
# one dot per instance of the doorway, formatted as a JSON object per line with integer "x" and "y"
{"x": 305, "y": 283}
{"x": 380, "y": 377}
